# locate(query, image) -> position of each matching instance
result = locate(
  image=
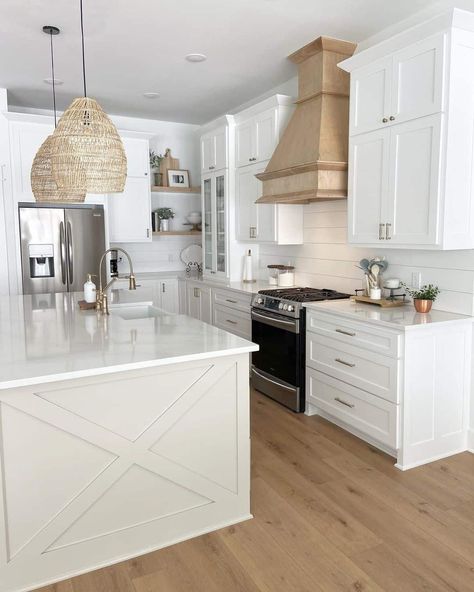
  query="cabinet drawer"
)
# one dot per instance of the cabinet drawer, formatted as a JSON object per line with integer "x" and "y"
{"x": 372, "y": 372}
{"x": 366, "y": 413}
{"x": 231, "y": 299}
{"x": 359, "y": 334}
{"x": 234, "y": 321}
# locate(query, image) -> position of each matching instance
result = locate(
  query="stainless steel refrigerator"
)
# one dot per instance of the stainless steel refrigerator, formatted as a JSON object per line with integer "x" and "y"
{"x": 60, "y": 246}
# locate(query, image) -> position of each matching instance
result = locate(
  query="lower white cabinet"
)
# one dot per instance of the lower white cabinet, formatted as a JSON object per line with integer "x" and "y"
{"x": 231, "y": 312}
{"x": 164, "y": 292}
{"x": 198, "y": 301}
{"x": 404, "y": 389}
{"x": 264, "y": 223}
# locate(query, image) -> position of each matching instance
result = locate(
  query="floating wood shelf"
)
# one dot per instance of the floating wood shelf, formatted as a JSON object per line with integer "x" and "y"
{"x": 179, "y": 233}
{"x": 157, "y": 189}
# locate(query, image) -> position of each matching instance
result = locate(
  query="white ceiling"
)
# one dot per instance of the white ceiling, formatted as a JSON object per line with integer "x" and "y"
{"x": 134, "y": 46}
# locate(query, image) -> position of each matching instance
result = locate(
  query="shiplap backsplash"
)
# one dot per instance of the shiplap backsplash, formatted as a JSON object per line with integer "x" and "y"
{"x": 325, "y": 260}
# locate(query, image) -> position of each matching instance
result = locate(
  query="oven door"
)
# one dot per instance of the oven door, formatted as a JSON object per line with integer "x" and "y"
{"x": 277, "y": 367}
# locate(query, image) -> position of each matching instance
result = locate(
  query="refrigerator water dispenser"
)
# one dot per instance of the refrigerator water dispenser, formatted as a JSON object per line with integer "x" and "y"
{"x": 41, "y": 261}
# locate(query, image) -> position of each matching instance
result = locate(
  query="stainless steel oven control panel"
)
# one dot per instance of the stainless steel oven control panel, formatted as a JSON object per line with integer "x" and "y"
{"x": 279, "y": 305}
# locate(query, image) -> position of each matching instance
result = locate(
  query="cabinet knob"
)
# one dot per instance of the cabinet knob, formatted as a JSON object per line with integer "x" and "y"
{"x": 384, "y": 120}
{"x": 146, "y": 174}
{"x": 211, "y": 168}
{"x": 392, "y": 118}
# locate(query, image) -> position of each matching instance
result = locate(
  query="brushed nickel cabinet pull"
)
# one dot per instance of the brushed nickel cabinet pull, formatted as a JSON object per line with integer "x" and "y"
{"x": 345, "y": 332}
{"x": 344, "y": 362}
{"x": 388, "y": 229}
{"x": 381, "y": 231}
{"x": 231, "y": 322}
{"x": 231, "y": 301}
{"x": 344, "y": 402}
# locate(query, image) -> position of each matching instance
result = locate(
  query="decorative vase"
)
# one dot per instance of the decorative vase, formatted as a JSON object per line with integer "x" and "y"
{"x": 422, "y": 305}
{"x": 158, "y": 179}
{"x": 164, "y": 225}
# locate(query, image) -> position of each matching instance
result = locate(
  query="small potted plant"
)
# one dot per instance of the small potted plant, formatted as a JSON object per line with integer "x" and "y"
{"x": 165, "y": 215}
{"x": 424, "y": 297}
{"x": 155, "y": 161}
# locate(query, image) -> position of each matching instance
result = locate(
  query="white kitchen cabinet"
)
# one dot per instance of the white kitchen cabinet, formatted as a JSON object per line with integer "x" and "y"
{"x": 256, "y": 138}
{"x": 399, "y": 87}
{"x": 399, "y": 382}
{"x": 136, "y": 150}
{"x": 410, "y": 174}
{"x": 264, "y": 223}
{"x": 214, "y": 237}
{"x": 214, "y": 150}
{"x": 198, "y": 301}
{"x": 169, "y": 295}
{"x": 130, "y": 212}
{"x": 164, "y": 292}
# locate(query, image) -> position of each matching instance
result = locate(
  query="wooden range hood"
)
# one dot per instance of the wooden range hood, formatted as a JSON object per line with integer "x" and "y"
{"x": 310, "y": 161}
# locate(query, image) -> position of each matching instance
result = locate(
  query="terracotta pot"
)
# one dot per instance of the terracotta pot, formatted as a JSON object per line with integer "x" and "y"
{"x": 422, "y": 305}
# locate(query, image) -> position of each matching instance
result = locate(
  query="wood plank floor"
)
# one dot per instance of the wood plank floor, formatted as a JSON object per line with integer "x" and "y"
{"x": 331, "y": 514}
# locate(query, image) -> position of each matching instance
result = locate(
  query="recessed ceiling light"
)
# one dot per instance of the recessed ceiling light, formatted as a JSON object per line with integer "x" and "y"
{"x": 56, "y": 81}
{"x": 196, "y": 57}
{"x": 151, "y": 95}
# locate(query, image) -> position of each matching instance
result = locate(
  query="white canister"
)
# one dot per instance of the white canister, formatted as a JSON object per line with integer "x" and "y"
{"x": 286, "y": 277}
{"x": 375, "y": 293}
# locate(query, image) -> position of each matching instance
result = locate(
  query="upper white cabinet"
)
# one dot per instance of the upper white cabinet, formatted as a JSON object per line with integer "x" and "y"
{"x": 214, "y": 207}
{"x": 400, "y": 87}
{"x": 257, "y": 133}
{"x": 214, "y": 154}
{"x": 265, "y": 223}
{"x": 411, "y": 150}
{"x": 130, "y": 211}
{"x": 256, "y": 138}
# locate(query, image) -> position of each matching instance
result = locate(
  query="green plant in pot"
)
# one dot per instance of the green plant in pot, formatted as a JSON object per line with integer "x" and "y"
{"x": 155, "y": 162}
{"x": 424, "y": 297}
{"x": 165, "y": 215}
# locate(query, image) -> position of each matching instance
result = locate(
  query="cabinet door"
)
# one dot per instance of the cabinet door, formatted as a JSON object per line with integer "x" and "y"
{"x": 205, "y": 304}
{"x": 169, "y": 295}
{"x": 130, "y": 212}
{"x": 208, "y": 153}
{"x": 221, "y": 225}
{"x": 370, "y": 101}
{"x": 413, "y": 200}
{"x": 417, "y": 82}
{"x": 266, "y": 213}
{"x": 136, "y": 150}
{"x": 245, "y": 206}
{"x": 244, "y": 143}
{"x": 208, "y": 222}
{"x": 368, "y": 186}
{"x": 193, "y": 304}
{"x": 220, "y": 149}
{"x": 265, "y": 135}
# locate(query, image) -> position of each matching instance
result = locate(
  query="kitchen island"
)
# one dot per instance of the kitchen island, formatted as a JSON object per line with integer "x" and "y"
{"x": 119, "y": 434}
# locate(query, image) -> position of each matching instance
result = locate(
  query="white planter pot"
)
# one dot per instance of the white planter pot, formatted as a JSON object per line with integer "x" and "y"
{"x": 164, "y": 225}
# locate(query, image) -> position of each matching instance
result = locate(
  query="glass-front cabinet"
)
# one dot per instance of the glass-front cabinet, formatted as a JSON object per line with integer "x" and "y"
{"x": 214, "y": 207}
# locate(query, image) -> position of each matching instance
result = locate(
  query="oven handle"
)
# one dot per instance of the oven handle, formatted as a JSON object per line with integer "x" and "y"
{"x": 292, "y": 326}
{"x": 289, "y": 388}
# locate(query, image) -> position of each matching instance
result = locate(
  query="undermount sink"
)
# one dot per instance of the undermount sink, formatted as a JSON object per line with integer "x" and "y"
{"x": 130, "y": 313}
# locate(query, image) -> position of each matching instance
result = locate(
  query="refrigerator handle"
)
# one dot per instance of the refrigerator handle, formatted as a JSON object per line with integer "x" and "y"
{"x": 62, "y": 248}
{"x": 69, "y": 252}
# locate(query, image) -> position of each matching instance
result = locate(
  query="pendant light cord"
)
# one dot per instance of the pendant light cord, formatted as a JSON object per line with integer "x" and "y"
{"x": 83, "y": 52}
{"x": 54, "y": 81}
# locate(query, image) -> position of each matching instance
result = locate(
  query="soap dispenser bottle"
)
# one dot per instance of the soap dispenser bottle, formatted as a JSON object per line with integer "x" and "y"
{"x": 90, "y": 289}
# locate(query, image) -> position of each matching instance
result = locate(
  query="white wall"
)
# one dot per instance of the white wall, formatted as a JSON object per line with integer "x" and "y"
{"x": 325, "y": 260}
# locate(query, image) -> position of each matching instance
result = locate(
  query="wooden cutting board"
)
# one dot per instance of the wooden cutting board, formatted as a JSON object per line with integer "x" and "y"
{"x": 168, "y": 162}
{"x": 383, "y": 302}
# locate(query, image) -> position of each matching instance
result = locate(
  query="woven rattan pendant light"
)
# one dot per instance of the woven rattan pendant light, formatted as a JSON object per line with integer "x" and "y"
{"x": 43, "y": 185}
{"x": 87, "y": 151}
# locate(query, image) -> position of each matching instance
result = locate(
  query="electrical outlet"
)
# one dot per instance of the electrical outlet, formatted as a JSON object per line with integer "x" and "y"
{"x": 416, "y": 280}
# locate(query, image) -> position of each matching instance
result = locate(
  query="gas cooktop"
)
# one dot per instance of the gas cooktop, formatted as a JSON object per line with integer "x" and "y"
{"x": 304, "y": 294}
{"x": 281, "y": 300}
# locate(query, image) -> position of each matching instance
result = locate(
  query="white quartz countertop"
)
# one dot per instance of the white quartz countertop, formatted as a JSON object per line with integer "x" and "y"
{"x": 45, "y": 338}
{"x": 402, "y": 317}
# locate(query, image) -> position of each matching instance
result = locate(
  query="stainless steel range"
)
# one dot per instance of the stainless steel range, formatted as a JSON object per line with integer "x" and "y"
{"x": 278, "y": 326}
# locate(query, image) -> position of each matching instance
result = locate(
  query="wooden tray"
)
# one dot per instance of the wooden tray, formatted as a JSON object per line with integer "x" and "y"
{"x": 383, "y": 302}
{"x": 83, "y": 305}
